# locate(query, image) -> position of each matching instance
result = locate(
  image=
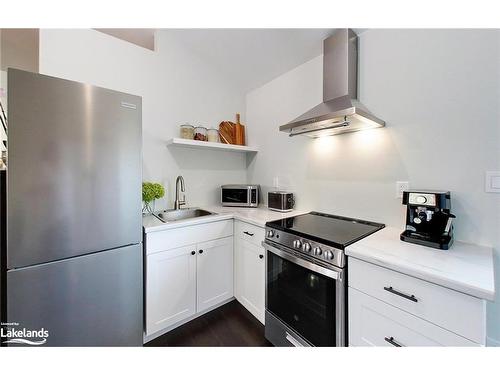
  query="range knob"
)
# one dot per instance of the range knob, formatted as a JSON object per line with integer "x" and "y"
{"x": 306, "y": 247}
{"x": 318, "y": 251}
{"x": 328, "y": 255}
{"x": 270, "y": 233}
{"x": 297, "y": 244}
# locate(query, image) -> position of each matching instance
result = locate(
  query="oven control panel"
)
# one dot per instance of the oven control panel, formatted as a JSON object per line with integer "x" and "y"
{"x": 314, "y": 249}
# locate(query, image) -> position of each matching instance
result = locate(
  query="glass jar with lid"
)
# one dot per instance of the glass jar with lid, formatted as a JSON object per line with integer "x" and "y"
{"x": 200, "y": 133}
{"x": 213, "y": 135}
{"x": 187, "y": 131}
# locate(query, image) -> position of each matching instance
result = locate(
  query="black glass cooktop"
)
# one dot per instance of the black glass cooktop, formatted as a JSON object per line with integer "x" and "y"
{"x": 336, "y": 231}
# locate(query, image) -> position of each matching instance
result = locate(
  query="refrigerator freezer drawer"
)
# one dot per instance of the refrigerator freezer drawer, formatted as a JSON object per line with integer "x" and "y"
{"x": 91, "y": 300}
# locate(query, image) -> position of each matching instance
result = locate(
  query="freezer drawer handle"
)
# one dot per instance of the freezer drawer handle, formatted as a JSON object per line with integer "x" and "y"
{"x": 292, "y": 340}
{"x": 390, "y": 289}
{"x": 393, "y": 342}
{"x": 248, "y": 233}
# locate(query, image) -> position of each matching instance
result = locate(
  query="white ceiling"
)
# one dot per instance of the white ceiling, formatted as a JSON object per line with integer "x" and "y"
{"x": 142, "y": 37}
{"x": 252, "y": 57}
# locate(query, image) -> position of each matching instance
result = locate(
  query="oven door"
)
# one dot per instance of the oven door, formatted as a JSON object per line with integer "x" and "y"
{"x": 307, "y": 298}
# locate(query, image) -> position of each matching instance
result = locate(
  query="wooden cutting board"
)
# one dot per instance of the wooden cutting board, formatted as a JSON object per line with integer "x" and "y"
{"x": 227, "y": 132}
{"x": 232, "y": 133}
{"x": 239, "y": 131}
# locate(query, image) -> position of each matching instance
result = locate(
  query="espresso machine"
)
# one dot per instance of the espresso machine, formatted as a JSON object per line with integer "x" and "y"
{"x": 428, "y": 218}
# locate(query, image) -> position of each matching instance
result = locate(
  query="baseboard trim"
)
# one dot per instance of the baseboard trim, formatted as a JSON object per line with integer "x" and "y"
{"x": 153, "y": 336}
{"x": 492, "y": 342}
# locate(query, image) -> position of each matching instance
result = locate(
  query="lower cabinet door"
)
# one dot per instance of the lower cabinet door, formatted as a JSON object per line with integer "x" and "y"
{"x": 214, "y": 272}
{"x": 170, "y": 287}
{"x": 376, "y": 323}
{"x": 251, "y": 278}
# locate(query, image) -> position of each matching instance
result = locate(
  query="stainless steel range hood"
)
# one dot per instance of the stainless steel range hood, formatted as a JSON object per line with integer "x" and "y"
{"x": 340, "y": 111}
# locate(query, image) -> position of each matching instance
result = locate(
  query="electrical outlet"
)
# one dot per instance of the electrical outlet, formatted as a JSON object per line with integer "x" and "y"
{"x": 400, "y": 187}
{"x": 492, "y": 184}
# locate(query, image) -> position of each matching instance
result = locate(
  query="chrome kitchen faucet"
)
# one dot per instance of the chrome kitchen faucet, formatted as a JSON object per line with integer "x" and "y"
{"x": 178, "y": 203}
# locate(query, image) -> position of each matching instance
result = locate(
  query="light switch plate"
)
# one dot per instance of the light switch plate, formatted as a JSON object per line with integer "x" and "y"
{"x": 492, "y": 182}
{"x": 400, "y": 187}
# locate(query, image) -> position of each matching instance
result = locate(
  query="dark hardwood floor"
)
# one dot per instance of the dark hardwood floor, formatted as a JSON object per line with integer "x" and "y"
{"x": 228, "y": 325}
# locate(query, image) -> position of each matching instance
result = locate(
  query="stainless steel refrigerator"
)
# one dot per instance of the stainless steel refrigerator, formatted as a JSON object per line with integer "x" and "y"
{"x": 72, "y": 257}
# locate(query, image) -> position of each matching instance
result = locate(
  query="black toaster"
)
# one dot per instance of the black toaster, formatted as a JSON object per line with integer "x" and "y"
{"x": 281, "y": 201}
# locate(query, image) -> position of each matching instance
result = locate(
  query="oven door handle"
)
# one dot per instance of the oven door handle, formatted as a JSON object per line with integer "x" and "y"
{"x": 292, "y": 340}
{"x": 275, "y": 249}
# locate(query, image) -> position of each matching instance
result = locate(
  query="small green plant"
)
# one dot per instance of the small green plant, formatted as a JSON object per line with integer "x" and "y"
{"x": 150, "y": 192}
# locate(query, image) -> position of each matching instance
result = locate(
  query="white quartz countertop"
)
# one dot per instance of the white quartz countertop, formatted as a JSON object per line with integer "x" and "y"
{"x": 465, "y": 267}
{"x": 256, "y": 216}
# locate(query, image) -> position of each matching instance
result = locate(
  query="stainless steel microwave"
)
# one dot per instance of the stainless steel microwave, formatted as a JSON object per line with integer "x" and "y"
{"x": 239, "y": 195}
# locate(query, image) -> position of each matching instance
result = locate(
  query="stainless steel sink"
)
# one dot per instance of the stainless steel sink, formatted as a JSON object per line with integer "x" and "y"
{"x": 169, "y": 216}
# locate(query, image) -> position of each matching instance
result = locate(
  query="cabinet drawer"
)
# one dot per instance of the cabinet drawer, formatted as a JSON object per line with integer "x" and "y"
{"x": 249, "y": 232}
{"x": 455, "y": 311}
{"x": 184, "y": 236}
{"x": 376, "y": 323}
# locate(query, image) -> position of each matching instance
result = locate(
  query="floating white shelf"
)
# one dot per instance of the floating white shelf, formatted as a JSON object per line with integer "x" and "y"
{"x": 180, "y": 142}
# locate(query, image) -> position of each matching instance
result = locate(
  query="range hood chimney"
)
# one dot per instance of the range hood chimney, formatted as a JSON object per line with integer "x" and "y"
{"x": 340, "y": 111}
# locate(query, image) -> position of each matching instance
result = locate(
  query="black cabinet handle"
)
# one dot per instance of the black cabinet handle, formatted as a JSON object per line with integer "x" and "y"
{"x": 193, "y": 252}
{"x": 261, "y": 256}
{"x": 248, "y": 233}
{"x": 393, "y": 291}
{"x": 201, "y": 251}
{"x": 391, "y": 341}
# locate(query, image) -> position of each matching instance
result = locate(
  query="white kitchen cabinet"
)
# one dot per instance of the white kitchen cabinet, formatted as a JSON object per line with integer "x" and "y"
{"x": 214, "y": 272}
{"x": 250, "y": 264}
{"x": 376, "y": 323}
{"x": 249, "y": 232}
{"x": 170, "y": 287}
{"x": 185, "y": 275}
{"x": 385, "y": 303}
{"x": 172, "y": 238}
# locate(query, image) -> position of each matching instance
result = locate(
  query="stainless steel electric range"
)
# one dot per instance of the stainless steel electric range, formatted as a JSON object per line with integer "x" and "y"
{"x": 306, "y": 275}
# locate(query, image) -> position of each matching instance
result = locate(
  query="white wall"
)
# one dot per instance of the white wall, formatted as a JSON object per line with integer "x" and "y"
{"x": 175, "y": 86}
{"x": 438, "y": 91}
